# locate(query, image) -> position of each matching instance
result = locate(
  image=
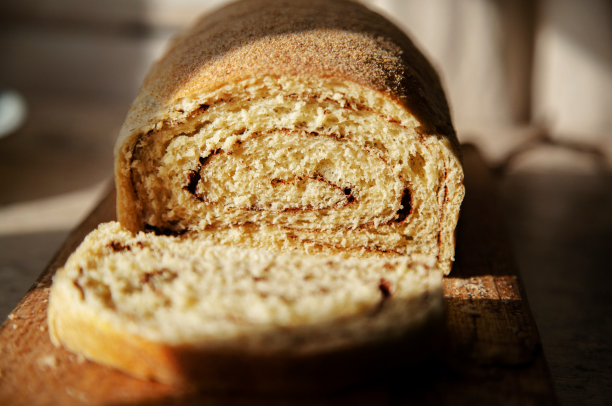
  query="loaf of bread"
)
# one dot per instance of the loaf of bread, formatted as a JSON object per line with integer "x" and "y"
{"x": 180, "y": 310}
{"x": 288, "y": 185}
{"x": 306, "y": 125}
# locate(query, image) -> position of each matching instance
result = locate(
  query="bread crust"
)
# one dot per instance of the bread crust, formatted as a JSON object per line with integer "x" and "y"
{"x": 312, "y": 38}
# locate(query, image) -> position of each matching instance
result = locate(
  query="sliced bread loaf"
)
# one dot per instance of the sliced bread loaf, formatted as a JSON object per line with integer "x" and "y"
{"x": 312, "y": 125}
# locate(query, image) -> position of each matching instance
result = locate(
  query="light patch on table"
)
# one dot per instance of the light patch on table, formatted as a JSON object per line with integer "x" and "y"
{"x": 61, "y": 212}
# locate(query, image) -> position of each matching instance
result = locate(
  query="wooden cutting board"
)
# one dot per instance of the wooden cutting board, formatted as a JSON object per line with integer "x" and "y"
{"x": 492, "y": 355}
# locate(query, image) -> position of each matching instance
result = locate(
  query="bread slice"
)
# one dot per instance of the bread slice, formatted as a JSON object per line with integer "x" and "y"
{"x": 186, "y": 311}
{"x": 307, "y": 125}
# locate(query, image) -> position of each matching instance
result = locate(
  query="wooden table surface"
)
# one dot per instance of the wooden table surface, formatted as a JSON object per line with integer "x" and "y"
{"x": 493, "y": 353}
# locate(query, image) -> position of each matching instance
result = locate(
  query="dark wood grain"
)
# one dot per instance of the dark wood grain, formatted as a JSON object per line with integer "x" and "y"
{"x": 492, "y": 352}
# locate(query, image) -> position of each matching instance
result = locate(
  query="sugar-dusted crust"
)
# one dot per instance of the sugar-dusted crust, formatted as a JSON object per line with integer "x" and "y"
{"x": 311, "y": 38}
{"x": 346, "y": 335}
{"x": 314, "y": 52}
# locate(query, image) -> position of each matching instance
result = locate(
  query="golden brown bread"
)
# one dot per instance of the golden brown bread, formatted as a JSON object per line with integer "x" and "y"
{"x": 271, "y": 126}
{"x": 259, "y": 71}
{"x": 187, "y": 311}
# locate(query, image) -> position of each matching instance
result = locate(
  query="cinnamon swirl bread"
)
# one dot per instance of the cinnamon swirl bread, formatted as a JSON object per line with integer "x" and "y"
{"x": 307, "y": 125}
{"x": 187, "y": 311}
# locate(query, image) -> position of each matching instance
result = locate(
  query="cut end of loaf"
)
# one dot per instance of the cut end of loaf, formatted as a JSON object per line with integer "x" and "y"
{"x": 308, "y": 164}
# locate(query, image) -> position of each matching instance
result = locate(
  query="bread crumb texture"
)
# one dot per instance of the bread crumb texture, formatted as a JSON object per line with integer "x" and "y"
{"x": 174, "y": 290}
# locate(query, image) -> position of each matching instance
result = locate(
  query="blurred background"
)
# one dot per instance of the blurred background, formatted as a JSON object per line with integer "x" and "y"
{"x": 529, "y": 82}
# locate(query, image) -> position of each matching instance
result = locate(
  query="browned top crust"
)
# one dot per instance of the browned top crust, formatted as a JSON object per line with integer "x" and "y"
{"x": 329, "y": 39}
